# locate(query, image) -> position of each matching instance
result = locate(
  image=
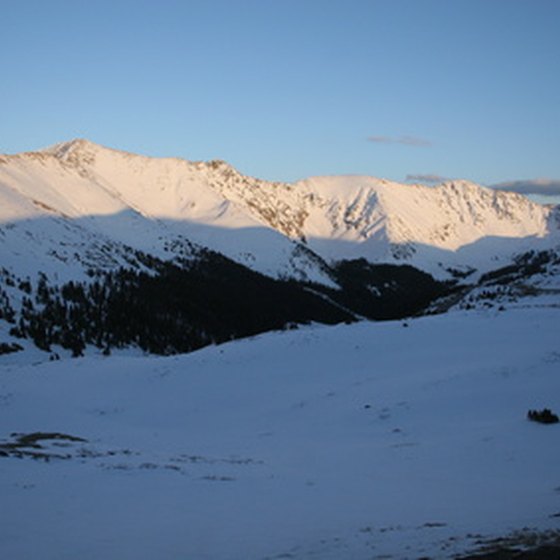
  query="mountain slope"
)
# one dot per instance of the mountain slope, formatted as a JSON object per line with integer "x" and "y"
{"x": 381, "y": 220}
{"x": 106, "y": 248}
{"x": 276, "y": 228}
{"x": 119, "y": 200}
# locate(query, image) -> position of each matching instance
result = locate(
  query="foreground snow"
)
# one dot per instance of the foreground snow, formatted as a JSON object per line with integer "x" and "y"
{"x": 347, "y": 442}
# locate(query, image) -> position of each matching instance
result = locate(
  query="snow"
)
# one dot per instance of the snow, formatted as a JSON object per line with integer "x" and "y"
{"x": 455, "y": 224}
{"x": 114, "y": 198}
{"x": 354, "y": 441}
{"x": 123, "y": 200}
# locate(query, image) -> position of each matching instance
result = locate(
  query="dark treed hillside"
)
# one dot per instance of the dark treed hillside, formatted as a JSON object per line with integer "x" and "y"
{"x": 384, "y": 291}
{"x": 172, "y": 309}
{"x": 169, "y": 308}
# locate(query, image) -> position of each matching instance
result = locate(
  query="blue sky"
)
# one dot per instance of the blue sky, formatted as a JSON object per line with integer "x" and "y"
{"x": 286, "y": 89}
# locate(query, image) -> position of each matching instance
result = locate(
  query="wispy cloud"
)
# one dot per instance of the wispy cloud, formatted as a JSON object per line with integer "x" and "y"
{"x": 404, "y": 140}
{"x": 426, "y": 178}
{"x": 413, "y": 141}
{"x": 542, "y": 187}
{"x": 380, "y": 139}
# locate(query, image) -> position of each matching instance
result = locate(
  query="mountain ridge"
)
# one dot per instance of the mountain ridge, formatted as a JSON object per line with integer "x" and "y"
{"x": 334, "y": 218}
{"x": 108, "y": 249}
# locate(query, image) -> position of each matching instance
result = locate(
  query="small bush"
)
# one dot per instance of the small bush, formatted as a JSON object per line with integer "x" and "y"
{"x": 7, "y": 348}
{"x": 544, "y": 416}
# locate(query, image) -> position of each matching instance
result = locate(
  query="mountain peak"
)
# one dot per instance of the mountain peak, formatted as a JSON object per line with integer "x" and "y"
{"x": 63, "y": 149}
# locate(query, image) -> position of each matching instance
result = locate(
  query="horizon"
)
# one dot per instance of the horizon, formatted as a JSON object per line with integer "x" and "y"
{"x": 410, "y": 91}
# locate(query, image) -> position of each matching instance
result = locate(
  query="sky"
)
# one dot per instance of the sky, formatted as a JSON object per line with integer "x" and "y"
{"x": 417, "y": 90}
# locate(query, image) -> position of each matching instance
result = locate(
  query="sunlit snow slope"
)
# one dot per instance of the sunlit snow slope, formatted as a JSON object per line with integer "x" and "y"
{"x": 82, "y": 204}
{"x": 455, "y": 223}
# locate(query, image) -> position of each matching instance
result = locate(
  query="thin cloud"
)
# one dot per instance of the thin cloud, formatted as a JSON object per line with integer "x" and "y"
{"x": 542, "y": 187}
{"x": 380, "y": 140}
{"x": 426, "y": 178}
{"x": 413, "y": 141}
{"x": 403, "y": 140}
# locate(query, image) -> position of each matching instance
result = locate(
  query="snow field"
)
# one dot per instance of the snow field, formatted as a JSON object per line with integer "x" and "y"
{"x": 354, "y": 441}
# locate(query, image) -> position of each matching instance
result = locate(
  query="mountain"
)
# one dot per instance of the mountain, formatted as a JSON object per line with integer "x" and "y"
{"x": 108, "y": 248}
{"x": 394, "y": 439}
{"x": 456, "y": 224}
{"x": 87, "y": 198}
{"x": 84, "y": 206}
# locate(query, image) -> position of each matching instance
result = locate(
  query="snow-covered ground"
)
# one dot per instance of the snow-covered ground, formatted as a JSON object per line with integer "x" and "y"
{"x": 348, "y": 442}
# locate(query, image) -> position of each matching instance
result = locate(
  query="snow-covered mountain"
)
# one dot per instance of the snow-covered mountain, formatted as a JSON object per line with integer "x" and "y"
{"x": 455, "y": 224}
{"x": 387, "y": 440}
{"x": 85, "y": 205}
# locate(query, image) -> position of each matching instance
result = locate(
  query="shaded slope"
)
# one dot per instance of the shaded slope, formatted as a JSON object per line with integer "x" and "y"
{"x": 166, "y": 308}
{"x": 343, "y": 443}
